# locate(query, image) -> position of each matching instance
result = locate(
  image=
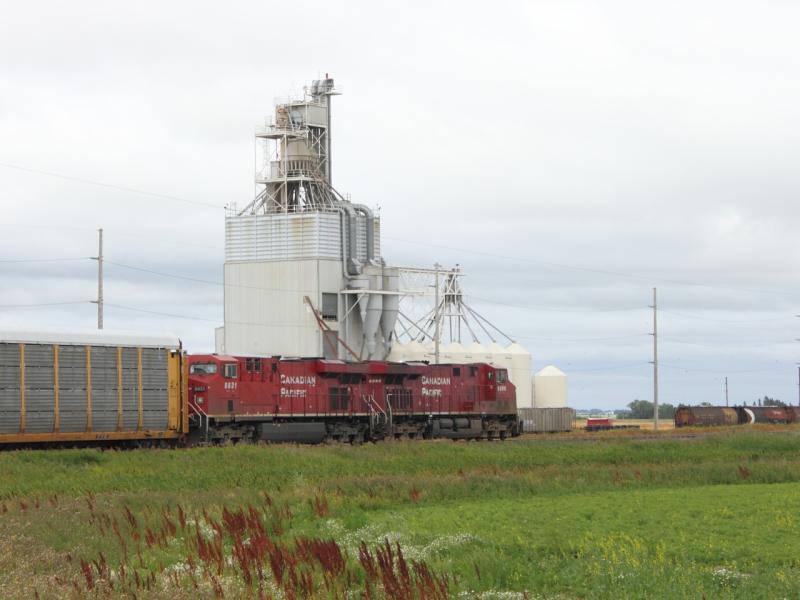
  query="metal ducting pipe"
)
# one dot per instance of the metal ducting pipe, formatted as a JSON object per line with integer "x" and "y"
{"x": 350, "y": 264}
{"x": 370, "y": 218}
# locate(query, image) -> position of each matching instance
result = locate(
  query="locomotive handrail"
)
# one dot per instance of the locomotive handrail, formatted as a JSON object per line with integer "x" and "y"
{"x": 203, "y": 418}
{"x": 375, "y": 409}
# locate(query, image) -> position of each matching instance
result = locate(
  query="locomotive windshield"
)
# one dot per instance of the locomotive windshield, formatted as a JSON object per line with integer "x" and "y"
{"x": 209, "y": 368}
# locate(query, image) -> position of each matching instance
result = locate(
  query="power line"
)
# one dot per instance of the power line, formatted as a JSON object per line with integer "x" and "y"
{"x": 477, "y": 298}
{"x": 35, "y": 260}
{"x": 609, "y": 367}
{"x": 195, "y": 318}
{"x": 414, "y": 242}
{"x": 693, "y": 370}
{"x": 163, "y": 314}
{"x": 702, "y": 318}
{"x": 592, "y": 270}
{"x": 37, "y": 305}
{"x": 721, "y": 345}
{"x": 597, "y": 339}
{"x": 112, "y": 186}
{"x": 275, "y": 289}
{"x": 553, "y": 309}
{"x": 164, "y": 239}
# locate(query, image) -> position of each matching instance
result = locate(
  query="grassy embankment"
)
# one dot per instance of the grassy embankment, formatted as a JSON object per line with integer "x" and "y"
{"x": 611, "y": 517}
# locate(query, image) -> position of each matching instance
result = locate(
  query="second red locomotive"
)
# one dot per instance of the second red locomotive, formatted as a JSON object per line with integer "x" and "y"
{"x": 314, "y": 400}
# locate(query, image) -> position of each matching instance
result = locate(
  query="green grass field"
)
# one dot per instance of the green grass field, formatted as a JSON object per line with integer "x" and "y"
{"x": 546, "y": 517}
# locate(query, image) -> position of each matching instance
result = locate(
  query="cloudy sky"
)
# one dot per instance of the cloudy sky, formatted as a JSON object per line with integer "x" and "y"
{"x": 569, "y": 155}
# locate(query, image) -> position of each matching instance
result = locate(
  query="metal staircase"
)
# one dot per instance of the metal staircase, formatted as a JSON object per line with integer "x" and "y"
{"x": 380, "y": 421}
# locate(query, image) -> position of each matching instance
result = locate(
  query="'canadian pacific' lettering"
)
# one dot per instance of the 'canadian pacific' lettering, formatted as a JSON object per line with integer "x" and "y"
{"x": 298, "y": 379}
{"x": 435, "y": 380}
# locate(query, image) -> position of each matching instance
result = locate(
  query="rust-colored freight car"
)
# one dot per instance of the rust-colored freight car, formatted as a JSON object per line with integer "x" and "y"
{"x": 687, "y": 416}
{"x": 770, "y": 414}
{"x": 62, "y": 387}
{"x": 739, "y": 415}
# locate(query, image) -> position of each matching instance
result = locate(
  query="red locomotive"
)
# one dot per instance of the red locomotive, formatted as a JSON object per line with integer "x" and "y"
{"x": 315, "y": 400}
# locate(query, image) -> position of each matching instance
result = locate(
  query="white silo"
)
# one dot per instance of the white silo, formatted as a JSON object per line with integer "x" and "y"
{"x": 474, "y": 353}
{"x": 452, "y": 353}
{"x": 520, "y": 374}
{"x": 497, "y": 356}
{"x": 550, "y": 388}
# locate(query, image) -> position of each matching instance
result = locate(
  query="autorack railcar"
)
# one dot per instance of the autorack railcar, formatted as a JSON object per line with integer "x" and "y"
{"x": 66, "y": 387}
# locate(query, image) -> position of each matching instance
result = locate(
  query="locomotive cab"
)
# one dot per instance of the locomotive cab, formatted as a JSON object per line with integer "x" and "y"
{"x": 213, "y": 383}
{"x": 498, "y": 389}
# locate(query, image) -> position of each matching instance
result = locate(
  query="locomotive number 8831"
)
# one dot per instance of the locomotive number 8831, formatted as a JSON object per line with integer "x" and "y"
{"x": 315, "y": 400}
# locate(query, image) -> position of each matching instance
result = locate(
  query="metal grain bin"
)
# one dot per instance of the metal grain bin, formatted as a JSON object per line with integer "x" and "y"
{"x": 546, "y": 420}
{"x": 61, "y": 387}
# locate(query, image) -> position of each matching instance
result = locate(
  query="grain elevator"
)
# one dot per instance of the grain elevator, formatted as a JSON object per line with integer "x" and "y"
{"x": 303, "y": 269}
{"x": 304, "y": 275}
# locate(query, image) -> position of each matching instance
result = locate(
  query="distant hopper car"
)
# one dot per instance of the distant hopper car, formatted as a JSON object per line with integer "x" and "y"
{"x": 62, "y": 388}
{"x": 546, "y": 420}
{"x": 687, "y": 416}
{"x": 771, "y": 414}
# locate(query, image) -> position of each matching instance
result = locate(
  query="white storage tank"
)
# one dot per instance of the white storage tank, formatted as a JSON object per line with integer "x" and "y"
{"x": 497, "y": 356}
{"x": 520, "y": 374}
{"x": 474, "y": 353}
{"x": 550, "y": 388}
{"x": 452, "y": 353}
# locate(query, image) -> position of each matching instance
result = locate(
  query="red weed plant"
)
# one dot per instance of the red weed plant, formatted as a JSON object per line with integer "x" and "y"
{"x": 320, "y": 506}
{"x": 244, "y": 548}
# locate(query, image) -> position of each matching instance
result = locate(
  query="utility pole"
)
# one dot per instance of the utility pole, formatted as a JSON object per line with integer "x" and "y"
{"x": 99, "y": 301}
{"x": 655, "y": 361}
{"x": 726, "y": 390}
{"x": 436, "y": 266}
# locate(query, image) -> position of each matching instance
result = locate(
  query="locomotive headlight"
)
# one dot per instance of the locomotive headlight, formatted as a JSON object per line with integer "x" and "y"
{"x": 198, "y": 399}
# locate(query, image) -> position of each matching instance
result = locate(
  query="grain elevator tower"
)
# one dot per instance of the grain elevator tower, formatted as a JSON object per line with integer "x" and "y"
{"x": 303, "y": 271}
